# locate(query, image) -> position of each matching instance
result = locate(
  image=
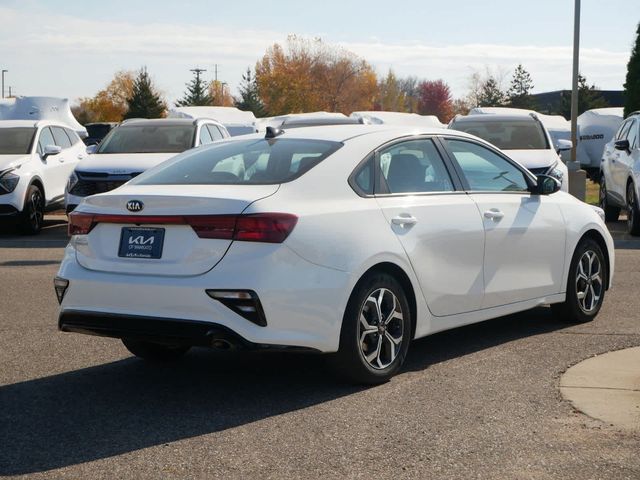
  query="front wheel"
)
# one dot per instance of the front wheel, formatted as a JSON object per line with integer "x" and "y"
{"x": 611, "y": 213}
{"x": 376, "y": 331}
{"x": 155, "y": 352}
{"x": 633, "y": 214}
{"x": 585, "y": 286}
{"x": 32, "y": 216}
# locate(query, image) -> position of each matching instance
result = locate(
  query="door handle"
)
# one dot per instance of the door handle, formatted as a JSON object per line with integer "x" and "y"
{"x": 80, "y": 157}
{"x": 493, "y": 214}
{"x": 404, "y": 219}
{"x": 61, "y": 160}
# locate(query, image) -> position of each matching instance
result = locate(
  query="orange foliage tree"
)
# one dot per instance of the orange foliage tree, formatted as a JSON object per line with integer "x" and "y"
{"x": 109, "y": 104}
{"x": 434, "y": 98}
{"x": 308, "y": 75}
{"x": 220, "y": 95}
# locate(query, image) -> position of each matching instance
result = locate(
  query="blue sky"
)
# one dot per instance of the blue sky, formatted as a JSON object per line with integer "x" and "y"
{"x": 71, "y": 48}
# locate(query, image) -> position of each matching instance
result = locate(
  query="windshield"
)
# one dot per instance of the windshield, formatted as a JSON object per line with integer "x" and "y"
{"x": 148, "y": 139}
{"x": 16, "y": 141}
{"x": 506, "y": 134}
{"x": 250, "y": 162}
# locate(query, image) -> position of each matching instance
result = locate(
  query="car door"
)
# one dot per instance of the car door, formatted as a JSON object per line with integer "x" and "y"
{"x": 524, "y": 232}
{"x": 437, "y": 224}
{"x": 61, "y": 165}
{"x": 626, "y": 158}
{"x": 618, "y": 165}
{"x": 49, "y": 167}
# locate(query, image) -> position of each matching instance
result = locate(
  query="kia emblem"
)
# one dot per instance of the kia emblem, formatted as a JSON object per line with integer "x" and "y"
{"x": 135, "y": 205}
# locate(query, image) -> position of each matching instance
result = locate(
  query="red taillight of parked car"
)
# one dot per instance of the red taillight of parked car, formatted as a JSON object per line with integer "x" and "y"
{"x": 258, "y": 227}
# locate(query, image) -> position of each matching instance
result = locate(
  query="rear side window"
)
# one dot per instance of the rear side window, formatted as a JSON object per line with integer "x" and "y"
{"x": 73, "y": 136}
{"x": 244, "y": 162}
{"x": 61, "y": 138}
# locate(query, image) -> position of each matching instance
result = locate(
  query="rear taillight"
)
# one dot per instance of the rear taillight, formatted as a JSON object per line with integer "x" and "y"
{"x": 259, "y": 227}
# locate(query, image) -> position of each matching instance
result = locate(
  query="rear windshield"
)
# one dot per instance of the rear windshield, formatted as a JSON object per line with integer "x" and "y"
{"x": 16, "y": 141}
{"x": 149, "y": 139}
{"x": 250, "y": 162}
{"x": 507, "y": 134}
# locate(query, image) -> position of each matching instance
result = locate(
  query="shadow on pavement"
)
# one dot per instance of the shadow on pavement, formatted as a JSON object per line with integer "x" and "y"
{"x": 123, "y": 406}
{"x": 52, "y": 235}
{"x": 621, "y": 238}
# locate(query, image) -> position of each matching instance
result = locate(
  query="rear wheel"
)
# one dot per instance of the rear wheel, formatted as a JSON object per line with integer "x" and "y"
{"x": 611, "y": 213}
{"x": 633, "y": 215}
{"x": 155, "y": 351}
{"x": 585, "y": 286}
{"x": 32, "y": 216}
{"x": 376, "y": 331}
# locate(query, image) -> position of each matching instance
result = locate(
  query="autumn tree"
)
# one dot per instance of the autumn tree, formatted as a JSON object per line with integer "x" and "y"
{"x": 145, "y": 100}
{"x": 632, "y": 82}
{"x": 461, "y": 106}
{"x": 434, "y": 98}
{"x": 409, "y": 86}
{"x": 197, "y": 93}
{"x": 249, "y": 99}
{"x": 220, "y": 95}
{"x": 519, "y": 93}
{"x": 308, "y": 75}
{"x": 390, "y": 96}
{"x": 490, "y": 93}
{"x": 588, "y": 98}
{"x": 109, "y": 104}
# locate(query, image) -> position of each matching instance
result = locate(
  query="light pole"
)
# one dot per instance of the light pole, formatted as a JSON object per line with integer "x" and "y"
{"x": 577, "y": 177}
{"x": 3, "y": 72}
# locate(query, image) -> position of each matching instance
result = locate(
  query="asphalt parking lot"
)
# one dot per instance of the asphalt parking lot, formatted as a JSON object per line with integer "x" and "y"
{"x": 476, "y": 402}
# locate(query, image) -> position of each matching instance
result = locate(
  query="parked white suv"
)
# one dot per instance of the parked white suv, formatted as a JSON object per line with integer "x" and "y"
{"x": 620, "y": 174}
{"x": 36, "y": 159}
{"x": 133, "y": 147}
{"x": 523, "y": 137}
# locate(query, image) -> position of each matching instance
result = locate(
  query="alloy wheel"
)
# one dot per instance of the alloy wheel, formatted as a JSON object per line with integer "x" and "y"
{"x": 631, "y": 206}
{"x": 380, "y": 328}
{"x": 589, "y": 283}
{"x": 602, "y": 200}
{"x": 35, "y": 210}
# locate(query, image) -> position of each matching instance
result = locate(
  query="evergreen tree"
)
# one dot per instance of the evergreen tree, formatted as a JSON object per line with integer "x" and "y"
{"x": 249, "y": 97}
{"x": 519, "y": 93}
{"x": 588, "y": 97}
{"x": 145, "y": 101}
{"x": 632, "y": 83}
{"x": 490, "y": 94}
{"x": 197, "y": 93}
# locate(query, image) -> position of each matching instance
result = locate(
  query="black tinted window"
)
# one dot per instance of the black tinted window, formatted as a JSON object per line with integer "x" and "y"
{"x": 242, "y": 162}
{"x": 61, "y": 138}
{"x": 526, "y": 134}
{"x": 148, "y": 139}
{"x": 16, "y": 141}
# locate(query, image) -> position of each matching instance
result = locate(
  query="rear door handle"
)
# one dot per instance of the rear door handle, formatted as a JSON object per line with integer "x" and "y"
{"x": 493, "y": 214}
{"x": 404, "y": 219}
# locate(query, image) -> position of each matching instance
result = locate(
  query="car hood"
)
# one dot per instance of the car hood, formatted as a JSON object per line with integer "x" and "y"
{"x": 122, "y": 163}
{"x": 11, "y": 161}
{"x": 533, "y": 158}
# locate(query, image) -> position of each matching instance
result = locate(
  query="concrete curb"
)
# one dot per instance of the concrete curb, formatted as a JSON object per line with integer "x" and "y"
{"x": 607, "y": 387}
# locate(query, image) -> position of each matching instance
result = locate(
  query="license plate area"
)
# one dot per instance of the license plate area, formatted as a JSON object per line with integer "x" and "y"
{"x": 141, "y": 242}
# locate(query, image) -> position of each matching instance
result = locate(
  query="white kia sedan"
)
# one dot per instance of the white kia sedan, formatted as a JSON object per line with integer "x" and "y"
{"x": 351, "y": 240}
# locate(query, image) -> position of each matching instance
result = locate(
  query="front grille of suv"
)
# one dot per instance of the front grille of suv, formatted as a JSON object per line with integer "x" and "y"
{"x": 92, "y": 183}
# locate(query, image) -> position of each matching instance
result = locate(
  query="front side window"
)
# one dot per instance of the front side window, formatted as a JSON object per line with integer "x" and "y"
{"x": 622, "y": 131}
{"x": 46, "y": 138}
{"x": 632, "y": 136}
{"x": 148, "y": 139}
{"x": 215, "y": 132}
{"x": 205, "y": 136}
{"x": 16, "y": 141}
{"x": 246, "y": 162}
{"x": 414, "y": 166}
{"x": 525, "y": 134}
{"x": 73, "y": 136}
{"x": 486, "y": 171}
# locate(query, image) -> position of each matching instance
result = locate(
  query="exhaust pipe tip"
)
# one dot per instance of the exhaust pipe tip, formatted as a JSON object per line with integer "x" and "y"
{"x": 222, "y": 344}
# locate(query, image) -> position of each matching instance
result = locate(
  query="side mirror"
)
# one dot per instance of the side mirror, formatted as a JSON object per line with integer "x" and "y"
{"x": 91, "y": 149}
{"x": 563, "y": 145}
{"x": 51, "y": 150}
{"x": 623, "y": 145}
{"x": 547, "y": 185}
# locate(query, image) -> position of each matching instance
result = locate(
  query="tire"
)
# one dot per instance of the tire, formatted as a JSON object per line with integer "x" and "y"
{"x": 155, "y": 352}
{"x": 585, "y": 285}
{"x": 633, "y": 213}
{"x": 611, "y": 213}
{"x": 374, "y": 357}
{"x": 32, "y": 216}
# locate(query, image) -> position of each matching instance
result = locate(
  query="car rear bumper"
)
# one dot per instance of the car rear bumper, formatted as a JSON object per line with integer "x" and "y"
{"x": 159, "y": 330}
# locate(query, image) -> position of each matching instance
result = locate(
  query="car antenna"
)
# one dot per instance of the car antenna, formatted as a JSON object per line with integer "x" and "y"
{"x": 273, "y": 132}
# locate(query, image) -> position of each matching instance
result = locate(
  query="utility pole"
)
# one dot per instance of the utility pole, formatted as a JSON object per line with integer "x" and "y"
{"x": 577, "y": 177}
{"x": 197, "y": 71}
{"x": 215, "y": 70}
{"x": 3, "y": 72}
{"x": 10, "y": 96}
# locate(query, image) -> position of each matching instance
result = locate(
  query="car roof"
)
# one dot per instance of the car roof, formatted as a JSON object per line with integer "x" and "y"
{"x": 494, "y": 117}
{"x": 343, "y": 133}
{"x": 161, "y": 121}
{"x": 31, "y": 123}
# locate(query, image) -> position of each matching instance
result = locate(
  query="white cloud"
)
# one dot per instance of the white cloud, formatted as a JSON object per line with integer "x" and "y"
{"x": 69, "y": 56}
